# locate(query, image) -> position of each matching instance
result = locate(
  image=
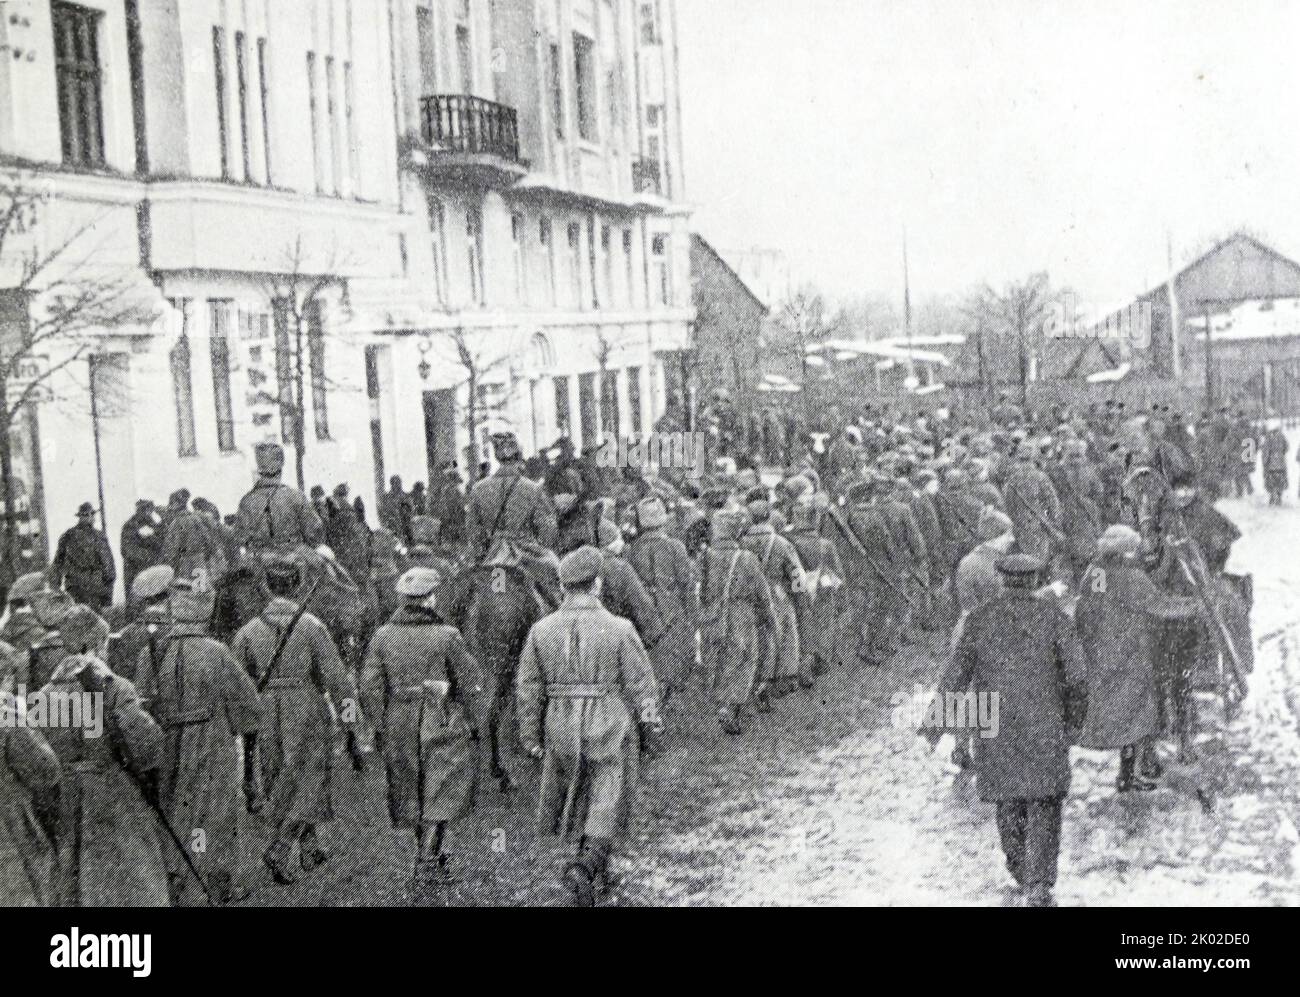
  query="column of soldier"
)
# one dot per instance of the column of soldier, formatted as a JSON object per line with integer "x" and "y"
{"x": 264, "y": 636}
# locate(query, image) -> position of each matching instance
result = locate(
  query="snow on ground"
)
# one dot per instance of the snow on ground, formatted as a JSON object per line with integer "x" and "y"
{"x": 875, "y": 818}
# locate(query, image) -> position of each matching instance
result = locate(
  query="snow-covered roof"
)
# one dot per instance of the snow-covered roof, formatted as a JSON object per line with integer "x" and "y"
{"x": 886, "y": 349}
{"x": 1271, "y": 319}
{"x": 1113, "y": 374}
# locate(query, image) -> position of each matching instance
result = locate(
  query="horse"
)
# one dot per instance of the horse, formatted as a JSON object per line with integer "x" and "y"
{"x": 494, "y": 607}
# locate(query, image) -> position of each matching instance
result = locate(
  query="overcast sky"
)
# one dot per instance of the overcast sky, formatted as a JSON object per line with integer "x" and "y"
{"x": 1006, "y": 135}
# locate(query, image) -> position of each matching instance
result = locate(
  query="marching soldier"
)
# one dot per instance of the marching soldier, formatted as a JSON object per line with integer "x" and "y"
{"x": 735, "y": 603}
{"x": 779, "y": 671}
{"x": 1033, "y": 505}
{"x": 148, "y": 631}
{"x": 203, "y": 701}
{"x": 29, "y": 805}
{"x": 193, "y": 548}
{"x": 109, "y": 854}
{"x": 1081, "y": 493}
{"x": 878, "y": 584}
{"x": 290, "y": 655}
{"x": 664, "y": 567}
{"x": 587, "y": 702}
{"x": 621, "y": 591}
{"x": 911, "y": 555}
{"x": 511, "y": 520}
{"x": 424, "y": 692}
{"x": 1024, "y": 651}
{"x": 83, "y": 563}
{"x": 273, "y": 515}
{"x": 823, "y": 577}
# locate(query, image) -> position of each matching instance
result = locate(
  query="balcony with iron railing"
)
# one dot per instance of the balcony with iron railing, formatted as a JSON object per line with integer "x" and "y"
{"x": 471, "y": 137}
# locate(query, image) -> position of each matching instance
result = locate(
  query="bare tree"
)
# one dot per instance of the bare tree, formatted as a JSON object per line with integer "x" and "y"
{"x": 477, "y": 367}
{"x": 1019, "y": 314}
{"x": 804, "y": 322}
{"x": 58, "y": 301}
{"x": 295, "y": 296}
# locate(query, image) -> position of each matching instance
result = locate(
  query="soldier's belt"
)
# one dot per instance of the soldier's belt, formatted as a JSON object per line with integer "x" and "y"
{"x": 430, "y": 689}
{"x": 578, "y": 690}
{"x": 87, "y": 765}
{"x": 187, "y": 717}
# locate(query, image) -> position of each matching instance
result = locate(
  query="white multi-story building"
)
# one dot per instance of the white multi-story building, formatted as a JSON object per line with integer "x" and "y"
{"x": 485, "y": 190}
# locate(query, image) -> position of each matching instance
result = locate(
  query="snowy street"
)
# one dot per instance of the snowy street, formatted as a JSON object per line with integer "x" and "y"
{"x": 873, "y": 817}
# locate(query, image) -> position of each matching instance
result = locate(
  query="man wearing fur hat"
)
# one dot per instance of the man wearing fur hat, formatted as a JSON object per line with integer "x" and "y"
{"x": 666, "y": 571}
{"x": 587, "y": 702}
{"x": 511, "y": 520}
{"x": 779, "y": 670}
{"x": 109, "y": 852}
{"x": 273, "y": 515}
{"x": 51, "y": 607}
{"x": 424, "y": 692}
{"x": 295, "y": 743}
{"x": 22, "y": 630}
{"x": 1115, "y": 616}
{"x": 204, "y": 703}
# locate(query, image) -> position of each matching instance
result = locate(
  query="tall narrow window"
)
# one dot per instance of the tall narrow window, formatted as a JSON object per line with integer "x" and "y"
{"x": 241, "y": 81}
{"x": 438, "y": 233}
{"x": 591, "y": 262}
{"x": 575, "y": 264}
{"x": 588, "y": 412}
{"x": 332, "y": 125}
{"x": 354, "y": 148}
{"x": 464, "y": 49}
{"x": 609, "y": 405}
{"x": 628, "y": 282}
{"x": 662, "y": 277}
{"x": 183, "y": 387}
{"x": 78, "y": 76}
{"x": 219, "y": 64}
{"x": 263, "y": 82}
{"x": 316, "y": 362}
{"x": 313, "y": 101}
{"x": 285, "y": 336}
{"x": 634, "y": 398}
{"x": 428, "y": 51}
{"x": 219, "y": 349}
{"x": 584, "y": 80}
{"x": 474, "y": 249}
{"x": 607, "y": 265}
{"x": 517, "y": 234}
{"x": 557, "y": 91}
{"x": 562, "y": 405}
{"x": 547, "y": 240}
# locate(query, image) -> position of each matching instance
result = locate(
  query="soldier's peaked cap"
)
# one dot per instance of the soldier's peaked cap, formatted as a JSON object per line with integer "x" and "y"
{"x": 580, "y": 566}
{"x": 152, "y": 581}
{"x": 1019, "y": 565}
{"x": 651, "y": 512}
{"x": 82, "y": 628}
{"x": 28, "y": 585}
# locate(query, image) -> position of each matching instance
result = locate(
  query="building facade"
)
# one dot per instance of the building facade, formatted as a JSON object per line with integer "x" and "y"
{"x": 336, "y": 216}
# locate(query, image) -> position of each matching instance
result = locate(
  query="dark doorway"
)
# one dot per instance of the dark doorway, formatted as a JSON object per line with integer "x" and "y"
{"x": 439, "y": 429}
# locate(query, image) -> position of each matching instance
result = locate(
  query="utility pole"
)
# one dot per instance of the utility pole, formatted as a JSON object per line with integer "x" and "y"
{"x": 907, "y": 318}
{"x": 1209, "y": 361}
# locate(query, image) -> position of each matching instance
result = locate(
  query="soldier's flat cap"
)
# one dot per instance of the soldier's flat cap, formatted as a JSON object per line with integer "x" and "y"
{"x": 746, "y": 478}
{"x": 85, "y": 509}
{"x": 152, "y": 581}
{"x": 580, "y": 566}
{"x": 608, "y": 534}
{"x": 419, "y": 582}
{"x": 269, "y": 458}
{"x": 1019, "y": 565}
{"x": 726, "y": 526}
{"x": 759, "y": 509}
{"x": 83, "y": 630}
{"x": 425, "y": 529}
